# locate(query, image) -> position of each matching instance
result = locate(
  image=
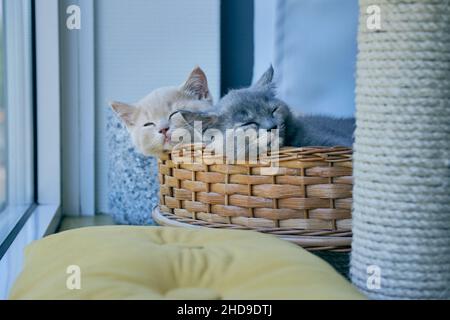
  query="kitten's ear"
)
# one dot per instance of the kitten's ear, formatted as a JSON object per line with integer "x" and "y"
{"x": 190, "y": 117}
{"x": 266, "y": 80}
{"x": 197, "y": 85}
{"x": 124, "y": 111}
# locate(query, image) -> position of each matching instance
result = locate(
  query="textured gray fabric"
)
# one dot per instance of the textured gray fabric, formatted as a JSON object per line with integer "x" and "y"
{"x": 132, "y": 178}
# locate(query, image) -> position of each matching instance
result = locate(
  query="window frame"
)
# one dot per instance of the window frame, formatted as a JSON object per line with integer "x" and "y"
{"x": 43, "y": 216}
{"x": 20, "y": 125}
{"x": 77, "y": 54}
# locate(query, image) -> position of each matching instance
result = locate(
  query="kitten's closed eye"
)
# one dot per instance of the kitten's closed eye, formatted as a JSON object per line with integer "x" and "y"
{"x": 148, "y": 124}
{"x": 274, "y": 110}
{"x": 249, "y": 124}
{"x": 173, "y": 113}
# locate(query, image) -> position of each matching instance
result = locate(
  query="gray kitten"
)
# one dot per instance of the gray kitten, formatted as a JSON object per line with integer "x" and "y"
{"x": 257, "y": 107}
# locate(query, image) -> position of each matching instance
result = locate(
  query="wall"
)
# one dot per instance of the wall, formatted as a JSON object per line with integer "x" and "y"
{"x": 264, "y": 35}
{"x": 142, "y": 45}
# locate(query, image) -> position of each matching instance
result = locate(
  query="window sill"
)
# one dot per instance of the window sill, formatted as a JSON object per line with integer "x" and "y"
{"x": 10, "y": 218}
{"x": 43, "y": 220}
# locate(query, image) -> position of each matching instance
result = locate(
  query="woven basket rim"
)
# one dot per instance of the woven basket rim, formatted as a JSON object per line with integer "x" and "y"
{"x": 302, "y": 154}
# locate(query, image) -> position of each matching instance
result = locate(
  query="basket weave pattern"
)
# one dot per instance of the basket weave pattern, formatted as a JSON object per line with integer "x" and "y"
{"x": 307, "y": 200}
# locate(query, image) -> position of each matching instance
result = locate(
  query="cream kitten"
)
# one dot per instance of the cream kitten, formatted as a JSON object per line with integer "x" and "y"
{"x": 147, "y": 121}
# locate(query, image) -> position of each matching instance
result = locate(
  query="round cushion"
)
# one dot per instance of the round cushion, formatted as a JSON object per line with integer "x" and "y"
{"x": 124, "y": 262}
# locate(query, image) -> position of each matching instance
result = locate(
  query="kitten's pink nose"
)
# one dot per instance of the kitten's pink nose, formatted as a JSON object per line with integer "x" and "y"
{"x": 164, "y": 131}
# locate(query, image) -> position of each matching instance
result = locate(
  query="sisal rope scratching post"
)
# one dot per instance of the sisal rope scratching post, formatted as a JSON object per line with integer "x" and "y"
{"x": 401, "y": 218}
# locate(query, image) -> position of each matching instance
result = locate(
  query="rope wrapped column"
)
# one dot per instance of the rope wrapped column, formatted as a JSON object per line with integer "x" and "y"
{"x": 401, "y": 210}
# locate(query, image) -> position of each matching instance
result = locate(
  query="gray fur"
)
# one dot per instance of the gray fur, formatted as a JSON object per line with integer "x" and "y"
{"x": 258, "y": 107}
{"x": 313, "y": 130}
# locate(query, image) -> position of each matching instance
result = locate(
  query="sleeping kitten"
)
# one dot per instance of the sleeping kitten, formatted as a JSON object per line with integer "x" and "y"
{"x": 257, "y": 107}
{"x": 147, "y": 120}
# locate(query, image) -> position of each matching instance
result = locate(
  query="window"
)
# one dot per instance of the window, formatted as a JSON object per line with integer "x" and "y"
{"x": 30, "y": 140}
{"x": 16, "y": 114}
{"x": 2, "y": 119}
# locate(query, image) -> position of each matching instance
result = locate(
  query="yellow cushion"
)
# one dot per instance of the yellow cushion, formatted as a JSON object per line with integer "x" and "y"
{"x": 122, "y": 262}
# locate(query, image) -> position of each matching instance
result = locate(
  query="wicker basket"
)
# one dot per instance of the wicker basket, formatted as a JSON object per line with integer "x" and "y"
{"x": 307, "y": 199}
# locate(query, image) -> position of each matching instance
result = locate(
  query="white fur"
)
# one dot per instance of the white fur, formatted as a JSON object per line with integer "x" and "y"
{"x": 157, "y": 107}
